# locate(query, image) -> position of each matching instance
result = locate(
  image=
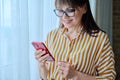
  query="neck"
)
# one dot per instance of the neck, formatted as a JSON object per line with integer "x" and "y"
{"x": 73, "y": 30}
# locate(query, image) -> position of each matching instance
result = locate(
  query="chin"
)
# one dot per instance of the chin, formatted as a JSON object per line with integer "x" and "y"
{"x": 68, "y": 25}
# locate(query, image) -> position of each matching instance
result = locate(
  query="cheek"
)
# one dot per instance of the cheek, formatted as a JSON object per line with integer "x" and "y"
{"x": 77, "y": 19}
{"x": 60, "y": 20}
{"x": 78, "y": 16}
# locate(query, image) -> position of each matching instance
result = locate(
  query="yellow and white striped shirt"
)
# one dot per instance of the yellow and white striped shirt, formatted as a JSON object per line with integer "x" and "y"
{"x": 87, "y": 54}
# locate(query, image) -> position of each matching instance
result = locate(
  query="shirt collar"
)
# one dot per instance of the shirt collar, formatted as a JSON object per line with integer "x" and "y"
{"x": 63, "y": 30}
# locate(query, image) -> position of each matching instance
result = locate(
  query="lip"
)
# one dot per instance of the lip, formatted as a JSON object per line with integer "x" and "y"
{"x": 67, "y": 21}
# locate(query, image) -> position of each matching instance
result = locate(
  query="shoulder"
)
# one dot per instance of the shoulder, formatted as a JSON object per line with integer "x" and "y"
{"x": 54, "y": 32}
{"x": 100, "y": 35}
{"x": 100, "y": 38}
{"x": 52, "y": 36}
{"x": 103, "y": 40}
{"x": 57, "y": 30}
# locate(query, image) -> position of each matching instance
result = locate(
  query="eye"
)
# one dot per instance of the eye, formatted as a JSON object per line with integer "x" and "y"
{"x": 60, "y": 10}
{"x": 70, "y": 10}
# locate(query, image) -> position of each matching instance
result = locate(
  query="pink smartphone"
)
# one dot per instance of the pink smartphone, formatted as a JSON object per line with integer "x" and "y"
{"x": 41, "y": 45}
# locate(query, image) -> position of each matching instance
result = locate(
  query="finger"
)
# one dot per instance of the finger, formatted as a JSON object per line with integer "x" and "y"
{"x": 60, "y": 72}
{"x": 62, "y": 68}
{"x": 44, "y": 58}
{"x": 39, "y": 54}
{"x": 65, "y": 66}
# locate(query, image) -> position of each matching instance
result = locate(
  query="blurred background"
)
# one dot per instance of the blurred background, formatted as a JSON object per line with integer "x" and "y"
{"x": 24, "y": 21}
{"x": 116, "y": 34}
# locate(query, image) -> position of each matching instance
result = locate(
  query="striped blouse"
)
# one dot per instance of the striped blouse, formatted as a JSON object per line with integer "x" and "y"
{"x": 87, "y": 54}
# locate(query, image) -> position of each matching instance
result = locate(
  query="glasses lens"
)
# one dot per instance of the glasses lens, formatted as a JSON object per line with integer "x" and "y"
{"x": 69, "y": 12}
{"x": 59, "y": 12}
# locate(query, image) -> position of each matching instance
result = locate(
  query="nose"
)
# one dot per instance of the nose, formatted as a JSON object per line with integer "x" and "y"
{"x": 65, "y": 16}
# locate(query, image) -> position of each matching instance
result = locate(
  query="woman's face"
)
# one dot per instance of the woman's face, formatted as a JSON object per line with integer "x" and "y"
{"x": 72, "y": 17}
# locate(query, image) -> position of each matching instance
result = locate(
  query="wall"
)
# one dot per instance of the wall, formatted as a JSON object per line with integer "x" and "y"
{"x": 116, "y": 35}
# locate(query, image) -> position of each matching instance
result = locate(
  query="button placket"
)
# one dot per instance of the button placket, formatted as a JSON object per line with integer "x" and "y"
{"x": 70, "y": 47}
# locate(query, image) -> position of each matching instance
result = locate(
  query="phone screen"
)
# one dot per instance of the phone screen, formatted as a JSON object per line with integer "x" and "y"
{"x": 41, "y": 45}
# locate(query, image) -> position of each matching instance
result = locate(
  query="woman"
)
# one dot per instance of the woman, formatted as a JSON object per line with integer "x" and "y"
{"x": 81, "y": 49}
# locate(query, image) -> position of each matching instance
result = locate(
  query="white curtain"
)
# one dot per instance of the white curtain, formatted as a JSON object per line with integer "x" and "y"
{"x": 21, "y": 22}
{"x": 93, "y": 7}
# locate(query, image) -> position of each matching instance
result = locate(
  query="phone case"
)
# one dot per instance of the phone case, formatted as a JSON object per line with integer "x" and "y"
{"x": 41, "y": 45}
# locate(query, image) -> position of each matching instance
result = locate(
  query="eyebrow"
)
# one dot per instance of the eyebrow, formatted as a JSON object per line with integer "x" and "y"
{"x": 66, "y": 8}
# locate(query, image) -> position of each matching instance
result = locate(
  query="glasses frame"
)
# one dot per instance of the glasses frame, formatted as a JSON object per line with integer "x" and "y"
{"x": 66, "y": 12}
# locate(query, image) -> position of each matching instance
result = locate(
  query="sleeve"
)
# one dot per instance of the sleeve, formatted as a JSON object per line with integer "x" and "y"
{"x": 106, "y": 66}
{"x": 47, "y": 39}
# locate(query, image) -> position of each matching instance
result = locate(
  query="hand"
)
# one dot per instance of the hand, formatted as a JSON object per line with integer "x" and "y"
{"x": 66, "y": 70}
{"x": 41, "y": 57}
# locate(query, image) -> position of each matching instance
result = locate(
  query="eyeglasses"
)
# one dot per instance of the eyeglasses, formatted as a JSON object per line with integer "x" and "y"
{"x": 70, "y": 12}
